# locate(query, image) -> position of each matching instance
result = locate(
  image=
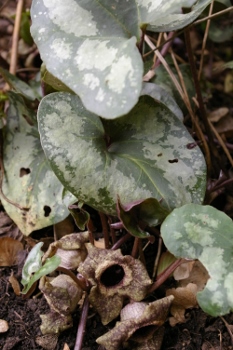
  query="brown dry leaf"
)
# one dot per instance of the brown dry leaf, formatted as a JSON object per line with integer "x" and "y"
{"x": 47, "y": 341}
{"x": 139, "y": 324}
{"x": 225, "y": 126}
{"x": 199, "y": 276}
{"x": 113, "y": 278}
{"x": 184, "y": 298}
{"x": 183, "y": 271}
{"x": 218, "y": 114}
{"x": 14, "y": 284}
{"x": 66, "y": 347}
{"x": 10, "y": 250}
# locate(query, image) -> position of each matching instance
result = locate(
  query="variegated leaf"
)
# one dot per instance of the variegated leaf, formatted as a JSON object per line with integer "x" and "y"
{"x": 141, "y": 155}
{"x": 91, "y": 45}
{"x": 205, "y": 233}
{"x": 28, "y": 179}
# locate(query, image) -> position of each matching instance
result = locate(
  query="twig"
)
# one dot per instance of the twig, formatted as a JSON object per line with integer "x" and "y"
{"x": 82, "y": 324}
{"x": 221, "y": 185}
{"x": 220, "y": 140}
{"x": 15, "y": 38}
{"x": 200, "y": 101}
{"x": 228, "y": 328}
{"x": 205, "y": 39}
{"x": 151, "y": 73}
{"x": 160, "y": 244}
{"x": 213, "y": 16}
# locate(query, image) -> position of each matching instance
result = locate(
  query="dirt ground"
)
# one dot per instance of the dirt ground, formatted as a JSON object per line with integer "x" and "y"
{"x": 200, "y": 332}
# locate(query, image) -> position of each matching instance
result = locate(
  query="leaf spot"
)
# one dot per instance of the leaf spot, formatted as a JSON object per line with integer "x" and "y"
{"x": 24, "y": 171}
{"x": 47, "y": 211}
{"x": 103, "y": 58}
{"x": 91, "y": 81}
{"x": 61, "y": 49}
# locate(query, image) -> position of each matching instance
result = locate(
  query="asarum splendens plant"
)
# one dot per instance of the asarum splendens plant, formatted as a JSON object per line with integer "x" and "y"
{"x": 113, "y": 277}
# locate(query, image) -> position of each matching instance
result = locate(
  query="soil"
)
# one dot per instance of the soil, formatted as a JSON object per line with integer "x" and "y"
{"x": 200, "y": 332}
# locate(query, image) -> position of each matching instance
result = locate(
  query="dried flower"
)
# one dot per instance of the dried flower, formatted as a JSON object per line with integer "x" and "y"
{"x": 113, "y": 277}
{"x": 140, "y": 326}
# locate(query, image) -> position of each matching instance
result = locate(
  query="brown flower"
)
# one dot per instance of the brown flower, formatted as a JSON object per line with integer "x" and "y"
{"x": 113, "y": 277}
{"x": 140, "y": 326}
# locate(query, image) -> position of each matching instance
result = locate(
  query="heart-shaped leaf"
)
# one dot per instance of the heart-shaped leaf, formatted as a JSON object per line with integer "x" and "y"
{"x": 141, "y": 155}
{"x": 91, "y": 45}
{"x": 29, "y": 180}
{"x": 205, "y": 233}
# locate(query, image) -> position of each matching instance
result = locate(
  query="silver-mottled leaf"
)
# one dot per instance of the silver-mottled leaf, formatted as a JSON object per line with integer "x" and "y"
{"x": 160, "y": 94}
{"x": 29, "y": 180}
{"x": 141, "y": 155}
{"x": 205, "y": 233}
{"x": 166, "y": 15}
{"x": 91, "y": 45}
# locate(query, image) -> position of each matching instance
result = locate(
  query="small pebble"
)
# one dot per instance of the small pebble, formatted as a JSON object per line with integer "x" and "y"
{"x": 3, "y": 326}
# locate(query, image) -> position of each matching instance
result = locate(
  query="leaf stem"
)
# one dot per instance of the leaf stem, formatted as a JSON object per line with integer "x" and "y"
{"x": 82, "y": 324}
{"x": 162, "y": 277}
{"x": 104, "y": 229}
{"x": 120, "y": 241}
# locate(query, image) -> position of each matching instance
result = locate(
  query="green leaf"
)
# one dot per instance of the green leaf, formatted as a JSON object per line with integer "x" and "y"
{"x": 205, "y": 233}
{"x": 33, "y": 269}
{"x": 80, "y": 216}
{"x": 138, "y": 215}
{"x": 25, "y": 28}
{"x": 160, "y": 94}
{"x": 166, "y": 15}
{"x": 91, "y": 46}
{"x": 141, "y": 155}
{"x": 18, "y": 85}
{"x": 29, "y": 180}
